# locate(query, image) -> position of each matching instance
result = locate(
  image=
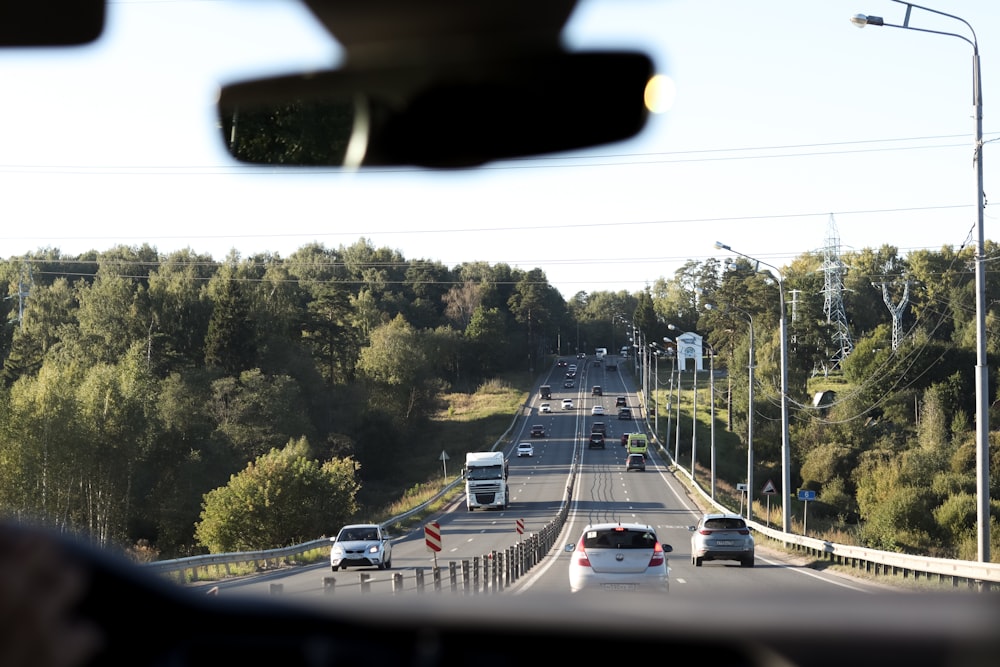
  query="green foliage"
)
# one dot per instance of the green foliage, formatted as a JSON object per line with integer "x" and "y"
{"x": 281, "y": 498}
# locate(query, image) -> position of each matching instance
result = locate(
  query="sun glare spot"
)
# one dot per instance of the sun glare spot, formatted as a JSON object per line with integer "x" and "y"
{"x": 660, "y": 93}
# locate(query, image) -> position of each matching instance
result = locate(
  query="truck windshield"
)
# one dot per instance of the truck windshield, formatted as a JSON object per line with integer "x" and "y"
{"x": 486, "y": 472}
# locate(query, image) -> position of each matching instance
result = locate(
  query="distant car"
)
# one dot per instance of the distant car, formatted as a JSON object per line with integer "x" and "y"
{"x": 361, "y": 544}
{"x": 561, "y": 363}
{"x": 581, "y": 355}
{"x": 722, "y": 537}
{"x": 635, "y": 462}
{"x": 597, "y": 362}
{"x": 537, "y": 431}
{"x": 596, "y": 441}
{"x": 625, "y": 438}
{"x": 599, "y": 427}
{"x": 611, "y": 366}
{"x": 597, "y": 410}
{"x": 621, "y": 402}
{"x": 567, "y": 404}
{"x": 624, "y": 413}
{"x": 596, "y": 390}
{"x": 525, "y": 449}
{"x": 545, "y": 408}
{"x": 619, "y": 557}
{"x": 569, "y": 384}
{"x": 571, "y": 374}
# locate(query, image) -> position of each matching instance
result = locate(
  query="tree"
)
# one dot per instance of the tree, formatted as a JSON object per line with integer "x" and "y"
{"x": 230, "y": 343}
{"x": 283, "y": 497}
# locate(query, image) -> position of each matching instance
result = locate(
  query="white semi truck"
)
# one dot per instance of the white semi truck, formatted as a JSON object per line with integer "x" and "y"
{"x": 486, "y": 480}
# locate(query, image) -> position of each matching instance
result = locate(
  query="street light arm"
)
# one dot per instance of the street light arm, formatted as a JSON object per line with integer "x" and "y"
{"x": 861, "y": 20}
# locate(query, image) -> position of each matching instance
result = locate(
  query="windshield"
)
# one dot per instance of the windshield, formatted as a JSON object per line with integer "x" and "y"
{"x": 485, "y": 472}
{"x": 777, "y": 283}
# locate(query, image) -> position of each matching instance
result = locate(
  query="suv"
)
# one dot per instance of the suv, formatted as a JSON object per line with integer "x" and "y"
{"x": 597, "y": 391}
{"x": 624, "y": 413}
{"x": 599, "y": 427}
{"x": 722, "y": 537}
{"x": 621, "y": 402}
{"x": 361, "y": 544}
{"x": 537, "y": 431}
{"x": 596, "y": 441}
{"x": 635, "y": 462}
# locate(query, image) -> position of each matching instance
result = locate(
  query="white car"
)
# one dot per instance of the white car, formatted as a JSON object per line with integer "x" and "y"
{"x": 624, "y": 557}
{"x": 722, "y": 537}
{"x": 545, "y": 408}
{"x": 597, "y": 410}
{"x": 361, "y": 544}
{"x": 525, "y": 449}
{"x": 567, "y": 404}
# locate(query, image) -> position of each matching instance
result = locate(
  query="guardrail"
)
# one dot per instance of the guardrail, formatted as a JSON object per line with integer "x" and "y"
{"x": 971, "y": 574}
{"x": 488, "y": 573}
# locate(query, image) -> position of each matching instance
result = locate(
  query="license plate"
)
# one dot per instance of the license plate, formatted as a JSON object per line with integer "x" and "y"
{"x": 619, "y": 587}
{"x": 725, "y": 543}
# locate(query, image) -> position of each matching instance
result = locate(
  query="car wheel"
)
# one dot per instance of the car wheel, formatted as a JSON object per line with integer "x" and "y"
{"x": 388, "y": 564}
{"x": 747, "y": 562}
{"x": 333, "y": 568}
{"x": 468, "y": 507}
{"x": 697, "y": 562}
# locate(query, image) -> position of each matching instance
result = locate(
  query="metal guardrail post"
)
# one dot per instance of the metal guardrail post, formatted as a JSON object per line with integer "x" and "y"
{"x": 453, "y": 574}
{"x": 397, "y": 582}
{"x": 329, "y": 585}
{"x": 420, "y": 580}
{"x": 475, "y": 574}
{"x": 436, "y": 575}
{"x": 366, "y": 584}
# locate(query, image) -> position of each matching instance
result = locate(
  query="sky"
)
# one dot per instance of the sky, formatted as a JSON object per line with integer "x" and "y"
{"x": 791, "y": 128}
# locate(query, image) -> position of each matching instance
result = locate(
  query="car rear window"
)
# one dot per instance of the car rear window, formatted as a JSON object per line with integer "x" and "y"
{"x": 725, "y": 523}
{"x": 619, "y": 538}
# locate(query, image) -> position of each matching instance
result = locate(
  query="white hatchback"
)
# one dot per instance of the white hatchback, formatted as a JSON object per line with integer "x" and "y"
{"x": 545, "y": 408}
{"x": 567, "y": 404}
{"x": 625, "y": 557}
{"x": 525, "y": 449}
{"x": 597, "y": 410}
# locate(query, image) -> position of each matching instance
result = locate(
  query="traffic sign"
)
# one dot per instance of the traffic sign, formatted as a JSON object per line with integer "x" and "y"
{"x": 432, "y": 536}
{"x": 520, "y": 526}
{"x": 769, "y": 489}
{"x": 807, "y": 495}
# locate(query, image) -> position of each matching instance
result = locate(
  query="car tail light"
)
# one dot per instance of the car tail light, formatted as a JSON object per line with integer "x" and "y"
{"x": 744, "y": 531}
{"x": 657, "y": 559}
{"x": 705, "y": 531}
{"x": 581, "y": 555}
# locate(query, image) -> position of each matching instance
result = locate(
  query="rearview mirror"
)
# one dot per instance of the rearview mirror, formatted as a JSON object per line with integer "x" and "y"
{"x": 51, "y": 22}
{"x": 459, "y": 117}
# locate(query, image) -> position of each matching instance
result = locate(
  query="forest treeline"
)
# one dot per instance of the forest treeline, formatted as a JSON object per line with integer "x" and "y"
{"x": 189, "y": 403}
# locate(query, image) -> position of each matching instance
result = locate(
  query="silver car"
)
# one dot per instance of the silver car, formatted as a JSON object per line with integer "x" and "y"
{"x": 361, "y": 544}
{"x": 722, "y": 537}
{"x": 619, "y": 557}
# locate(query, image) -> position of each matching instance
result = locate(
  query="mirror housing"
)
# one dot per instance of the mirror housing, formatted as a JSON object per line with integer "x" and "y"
{"x": 51, "y": 22}
{"x": 444, "y": 117}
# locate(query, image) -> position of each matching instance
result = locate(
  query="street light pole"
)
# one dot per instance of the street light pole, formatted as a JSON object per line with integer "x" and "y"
{"x": 786, "y": 474}
{"x": 711, "y": 412}
{"x": 982, "y": 368}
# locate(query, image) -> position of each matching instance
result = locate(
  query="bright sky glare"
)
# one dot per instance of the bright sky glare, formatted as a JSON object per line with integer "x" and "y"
{"x": 785, "y": 115}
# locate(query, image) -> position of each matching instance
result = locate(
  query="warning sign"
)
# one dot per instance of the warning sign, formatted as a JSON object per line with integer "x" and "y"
{"x": 520, "y": 526}
{"x": 432, "y": 535}
{"x": 769, "y": 489}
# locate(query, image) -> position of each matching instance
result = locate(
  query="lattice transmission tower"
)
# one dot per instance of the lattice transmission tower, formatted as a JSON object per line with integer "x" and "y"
{"x": 833, "y": 295}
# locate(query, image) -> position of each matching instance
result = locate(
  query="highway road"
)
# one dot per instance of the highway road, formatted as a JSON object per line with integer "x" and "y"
{"x": 603, "y": 491}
